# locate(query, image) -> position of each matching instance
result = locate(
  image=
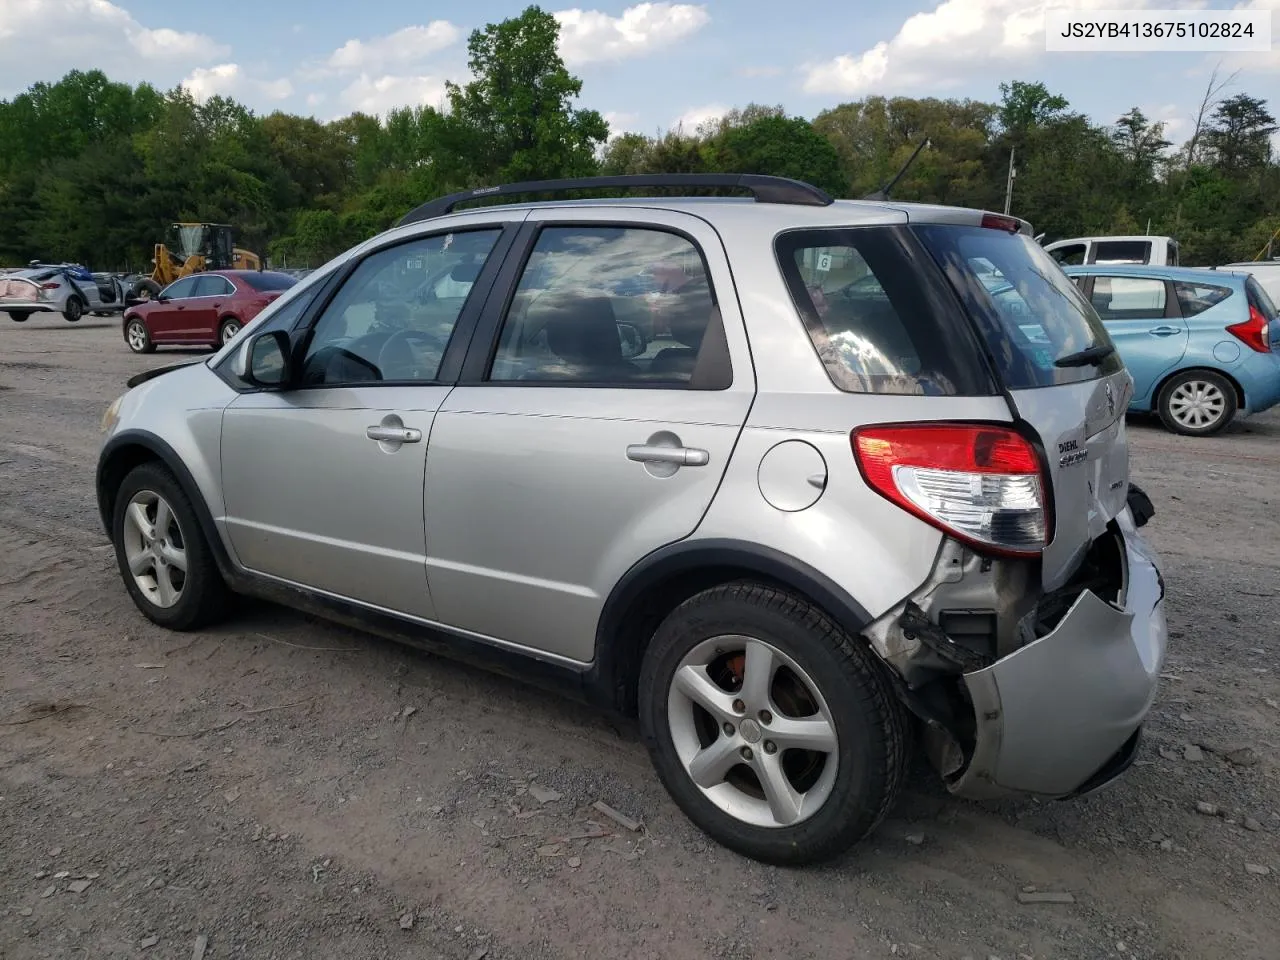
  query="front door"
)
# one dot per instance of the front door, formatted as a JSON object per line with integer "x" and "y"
{"x": 1144, "y": 322}
{"x": 323, "y": 481}
{"x": 166, "y": 319}
{"x": 577, "y": 443}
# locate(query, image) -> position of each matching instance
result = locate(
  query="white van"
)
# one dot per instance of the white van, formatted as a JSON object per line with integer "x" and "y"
{"x": 1156, "y": 251}
{"x": 1266, "y": 272}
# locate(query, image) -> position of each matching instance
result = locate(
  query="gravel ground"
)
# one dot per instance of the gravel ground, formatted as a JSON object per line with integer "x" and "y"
{"x": 280, "y": 787}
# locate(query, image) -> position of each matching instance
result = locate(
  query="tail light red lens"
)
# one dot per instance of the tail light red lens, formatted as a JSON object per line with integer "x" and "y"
{"x": 995, "y": 221}
{"x": 1254, "y": 332}
{"x": 51, "y": 285}
{"x": 982, "y": 484}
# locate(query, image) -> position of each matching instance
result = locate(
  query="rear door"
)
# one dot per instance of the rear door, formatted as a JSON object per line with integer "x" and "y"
{"x": 1061, "y": 371}
{"x": 1142, "y": 316}
{"x": 576, "y": 444}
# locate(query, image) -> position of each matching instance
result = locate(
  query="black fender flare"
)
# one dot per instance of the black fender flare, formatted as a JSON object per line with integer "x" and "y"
{"x": 617, "y": 656}
{"x": 115, "y": 461}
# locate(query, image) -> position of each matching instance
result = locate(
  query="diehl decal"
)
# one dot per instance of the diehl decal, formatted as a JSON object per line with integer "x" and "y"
{"x": 1069, "y": 453}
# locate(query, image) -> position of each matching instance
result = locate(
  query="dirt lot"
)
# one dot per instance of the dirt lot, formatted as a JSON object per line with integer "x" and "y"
{"x": 280, "y": 787}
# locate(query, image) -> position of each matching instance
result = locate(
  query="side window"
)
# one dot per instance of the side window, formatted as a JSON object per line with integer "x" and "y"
{"x": 207, "y": 286}
{"x": 1129, "y": 298}
{"x": 180, "y": 289}
{"x": 391, "y": 319}
{"x": 1122, "y": 251}
{"x": 613, "y": 305}
{"x": 1069, "y": 256}
{"x": 1195, "y": 298}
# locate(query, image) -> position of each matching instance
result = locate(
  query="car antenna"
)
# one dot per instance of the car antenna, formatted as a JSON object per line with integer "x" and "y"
{"x": 883, "y": 192}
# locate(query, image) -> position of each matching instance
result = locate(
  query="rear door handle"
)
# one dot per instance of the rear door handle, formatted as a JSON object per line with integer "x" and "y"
{"x": 680, "y": 456}
{"x": 1164, "y": 331}
{"x": 393, "y": 434}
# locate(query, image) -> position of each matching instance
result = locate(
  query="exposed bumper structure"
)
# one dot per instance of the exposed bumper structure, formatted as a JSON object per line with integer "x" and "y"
{"x": 28, "y": 306}
{"x": 1063, "y": 715}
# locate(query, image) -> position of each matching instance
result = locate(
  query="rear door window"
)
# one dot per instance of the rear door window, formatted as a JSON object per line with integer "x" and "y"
{"x": 1196, "y": 298}
{"x": 1071, "y": 255}
{"x": 1129, "y": 298}
{"x": 879, "y": 315}
{"x": 1037, "y": 327}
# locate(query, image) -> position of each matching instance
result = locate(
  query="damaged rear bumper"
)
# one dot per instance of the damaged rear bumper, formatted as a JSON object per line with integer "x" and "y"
{"x": 1063, "y": 714}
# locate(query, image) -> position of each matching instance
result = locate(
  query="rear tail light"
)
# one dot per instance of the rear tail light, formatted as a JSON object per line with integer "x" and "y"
{"x": 982, "y": 484}
{"x": 51, "y": 285}
{"x": 1254, "y": 332}
{"x": 995, "y": 221}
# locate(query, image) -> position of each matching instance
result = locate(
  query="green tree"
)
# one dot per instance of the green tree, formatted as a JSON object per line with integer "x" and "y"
{"x": 515, "y": 120}
{"x": 1239, "y": 135}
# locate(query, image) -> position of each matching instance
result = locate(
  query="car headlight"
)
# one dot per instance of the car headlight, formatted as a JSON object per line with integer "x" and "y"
{"x": 112, "y": 414}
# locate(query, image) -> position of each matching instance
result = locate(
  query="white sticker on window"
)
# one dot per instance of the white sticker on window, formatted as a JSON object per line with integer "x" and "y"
{"x": 824, "y": 262}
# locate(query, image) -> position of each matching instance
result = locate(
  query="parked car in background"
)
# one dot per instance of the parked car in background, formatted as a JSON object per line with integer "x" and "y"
{"x": 1266, "y": 272}
{"x": 797, "y": 528}
{"x": 65, "y": 288}
{"x": 1201, "y": 345}
{"x": 204, "y": 309}
{"x": 1157, "y": 251}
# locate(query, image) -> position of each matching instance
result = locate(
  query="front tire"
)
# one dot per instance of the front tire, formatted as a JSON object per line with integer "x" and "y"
{"x": 161, "y": 551}
{"x": 1197, "y": 403}
{"x": 137, "y": 336}
{"x": 74, "y": 310}
{"x": 775, "y": 731}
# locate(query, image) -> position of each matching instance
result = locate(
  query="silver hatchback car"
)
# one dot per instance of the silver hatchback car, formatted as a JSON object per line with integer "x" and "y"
{"x": 775, "y": 474}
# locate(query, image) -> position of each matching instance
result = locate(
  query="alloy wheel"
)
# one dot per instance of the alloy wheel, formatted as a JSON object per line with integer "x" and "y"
{"x": 229, "y": 330}
{"x": 137, "y": 336}
{"x": 753, "y": 731}
{"x": 155, "y": 548}
{"x": 1197, "y": 404}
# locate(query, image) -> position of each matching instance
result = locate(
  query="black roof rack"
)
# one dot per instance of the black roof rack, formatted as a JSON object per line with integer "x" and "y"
{"x": 765, "y": 189}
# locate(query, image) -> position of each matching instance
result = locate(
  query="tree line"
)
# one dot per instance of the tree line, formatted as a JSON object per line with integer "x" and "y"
{"x": 93, "y": 170}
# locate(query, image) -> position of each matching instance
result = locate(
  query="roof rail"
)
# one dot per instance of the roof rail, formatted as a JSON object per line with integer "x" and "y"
{"x": 765, "y": 189}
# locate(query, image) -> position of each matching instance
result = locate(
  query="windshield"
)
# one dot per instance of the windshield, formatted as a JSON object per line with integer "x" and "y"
{"x": 1033, "y": 319}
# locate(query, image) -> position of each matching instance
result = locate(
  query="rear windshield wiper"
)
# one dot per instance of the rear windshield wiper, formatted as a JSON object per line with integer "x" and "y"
{"x": 1088, "y": 357}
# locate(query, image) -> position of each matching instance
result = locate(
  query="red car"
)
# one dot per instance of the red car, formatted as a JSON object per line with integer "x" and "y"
{"x": 206, "y": 309}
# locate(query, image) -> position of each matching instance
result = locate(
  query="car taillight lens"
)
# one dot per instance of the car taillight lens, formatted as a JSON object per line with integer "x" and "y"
{"x": 52, "y": 285}
{"x": 1254, "y": 332}
{"x": 982, "y": 484}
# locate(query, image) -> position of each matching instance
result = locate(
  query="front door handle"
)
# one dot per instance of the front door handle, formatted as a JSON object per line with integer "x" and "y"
{"x": 1164, "y": 331}
{"x": 385, "y": 434}
{"x": 680, "y": 456}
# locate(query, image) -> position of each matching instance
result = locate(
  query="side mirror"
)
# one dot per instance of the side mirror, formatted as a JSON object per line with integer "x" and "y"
{"x": 266, "y": 360}
{"x": 162, "y": 298}
{"x": 633, "y": 341}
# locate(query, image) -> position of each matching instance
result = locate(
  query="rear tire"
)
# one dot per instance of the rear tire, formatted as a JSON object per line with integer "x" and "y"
{"x": 161, "y": 551}
{"x": 75, "y": 309}
{"x": 817, "y": 679}
{"x": 19, "y": 316}
{"x": 1197, "y": 403}
{"x": 227, "y": 329}
{"x": 137, "y": 336}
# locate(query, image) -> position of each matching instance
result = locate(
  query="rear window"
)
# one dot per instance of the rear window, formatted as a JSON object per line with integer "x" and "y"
{"x": 879, "y": 314}
{"x": 1260, "y": 299}
{"x": 268, "y": 280}
{"x": 1122, "y": 251}
{"x": 1195, "y": 298}
{"x": 1031, "y": 316}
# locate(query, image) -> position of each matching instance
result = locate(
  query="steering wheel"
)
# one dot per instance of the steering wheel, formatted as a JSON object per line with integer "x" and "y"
{"x": 399, "y": 363}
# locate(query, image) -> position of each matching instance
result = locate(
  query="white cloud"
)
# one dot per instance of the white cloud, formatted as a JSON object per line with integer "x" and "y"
{"x": 590, "y": 35}
{"x": 229, "y": 80}
{"x": 937, "y": 47}
{"x": 407, "y": 45}
{"x": 1259, "y": 61}
{"x": 689, "y": 121}
{"x": 620, "y": 122}
{"x": 377, "y": 95}
{"x": 756, "y": 73}
{"x": 61, "y": 35}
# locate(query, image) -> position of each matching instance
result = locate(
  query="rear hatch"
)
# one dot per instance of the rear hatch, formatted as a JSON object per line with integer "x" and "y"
{"x": 1056, "y": 363}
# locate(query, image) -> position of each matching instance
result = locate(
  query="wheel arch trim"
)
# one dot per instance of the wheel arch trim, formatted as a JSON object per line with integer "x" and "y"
{"x": 617, "y": 662}
{"x": 110, "y": 465}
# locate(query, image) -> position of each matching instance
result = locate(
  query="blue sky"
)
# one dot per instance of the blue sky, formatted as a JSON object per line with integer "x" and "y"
{"x": 647, "y": 66}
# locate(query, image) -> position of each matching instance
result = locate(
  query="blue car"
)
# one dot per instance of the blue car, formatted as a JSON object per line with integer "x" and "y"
{"x": 1201, "y": 345}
